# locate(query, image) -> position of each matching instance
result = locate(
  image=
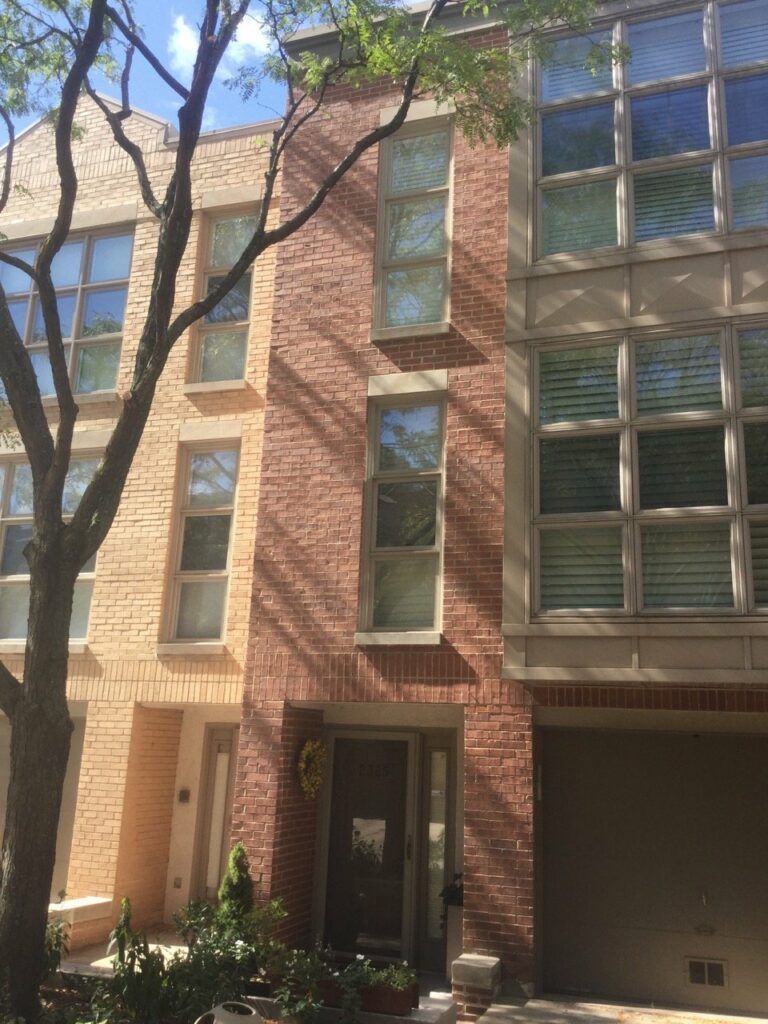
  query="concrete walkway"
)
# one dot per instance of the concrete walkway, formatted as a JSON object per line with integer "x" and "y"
{"x": 565, "y": 1011}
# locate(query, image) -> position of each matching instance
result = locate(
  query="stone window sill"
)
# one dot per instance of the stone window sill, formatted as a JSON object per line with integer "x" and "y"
{"x": 203, "y": 387}
{"x": 203, "y": 648}
{"x": 408, "y": 638}
{"x": 409, "y": 331}
{"x": 87, "y": 398}
{"x": 19, "y": 646}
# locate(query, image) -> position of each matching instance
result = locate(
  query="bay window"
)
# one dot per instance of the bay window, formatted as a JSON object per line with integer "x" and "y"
{"x": 674, "y": 141}
{"x": 651, "y": 473}
{"x": 90, "y": 274}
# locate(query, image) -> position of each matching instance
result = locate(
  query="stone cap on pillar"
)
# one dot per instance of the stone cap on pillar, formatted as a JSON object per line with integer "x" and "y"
{"x": 482, "y": 972}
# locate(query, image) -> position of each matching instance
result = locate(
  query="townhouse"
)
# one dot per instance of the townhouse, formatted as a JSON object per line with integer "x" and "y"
{"x": 510, "y": 560}
{"x": 161, "y": 616}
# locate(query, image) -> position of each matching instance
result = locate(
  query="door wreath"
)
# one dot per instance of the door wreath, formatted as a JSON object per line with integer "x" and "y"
{"x": 312, "y": 762}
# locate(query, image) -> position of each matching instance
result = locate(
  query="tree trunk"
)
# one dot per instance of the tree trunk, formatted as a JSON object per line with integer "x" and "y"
{"x": 41, "y": 730}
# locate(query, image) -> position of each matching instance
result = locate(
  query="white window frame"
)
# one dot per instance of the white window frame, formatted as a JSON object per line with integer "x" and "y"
{"x": 207, "y": 271}
{"x": 6, "y": 519}
{"x": 184, "y": 511}
{"x": 74, "y": 345}
{"x": 431, "y": 126}
{"x": 718, "y": 155}
{"x": 628, "y": 425}
{"x": 376, "y": 476}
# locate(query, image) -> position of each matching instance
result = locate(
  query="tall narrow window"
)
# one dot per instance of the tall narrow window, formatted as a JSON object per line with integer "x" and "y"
{"x": 204, "y": 544}
{"x": 405, "y": 516}
{"x": 90, "y": 275}
{"x": 414, "y": 253}
{"x": 16, "y": 528}
{"x": 223, "y": 333}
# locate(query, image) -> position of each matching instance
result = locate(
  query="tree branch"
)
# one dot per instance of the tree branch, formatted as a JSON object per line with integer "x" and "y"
{"x": 136, "y": 41}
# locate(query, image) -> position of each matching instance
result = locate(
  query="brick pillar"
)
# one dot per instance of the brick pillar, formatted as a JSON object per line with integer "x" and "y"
{"x": 145, "y": 834}
{"x": 498, "y": 834}
{"x": 271, "y": 815}
{"x": 98, "y": 817}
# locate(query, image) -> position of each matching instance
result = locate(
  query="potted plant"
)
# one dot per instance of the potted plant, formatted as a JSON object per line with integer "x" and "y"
{"x": 453, "y": 920}
{"x": 392, "y": 990}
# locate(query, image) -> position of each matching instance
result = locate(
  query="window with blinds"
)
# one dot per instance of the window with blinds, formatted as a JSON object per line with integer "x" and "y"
{"x": 673, "y": 141}
{"x": 651, "y": 474}
{"x": 414, "y": 250}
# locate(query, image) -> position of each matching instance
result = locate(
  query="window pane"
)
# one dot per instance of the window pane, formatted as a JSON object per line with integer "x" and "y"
{"x": 14, "y": 280}
{"x": 235, "y": 304}
{"x": 573, "y": 140}
{"x": 415, "y": 296}
{"x": 201, "y": 610}
{"x": 682, "y": 468}
{"x": 756, "y": 454}
{"x": 578, "y": 384}
{"x": 230, "y": 237}
{"x": 97, "y": 367}
{"x": 749, "y": 191}
{"x": 41, "y": 364}
{"x": 81, "y": 609}
{"x": 670, "y": 122}
{"x": 111, "y": 258}
{"x": 18, "y": 313}
{"x": 746, "y": 104}
{"x": 419, "y": 162}
{"x": 212, "y": 478}
{"x": 16, "y": 539}
{"x": 687, "y": 565}
{"x": 222, "y": 356}
{"x": 79, "y": 475}
{"x": 14, "y": 611}
{"x": 206, "y": 542}
{"x": 406, "y": 514}
{"x": 759, "y": 544}
{"x": 666, "y": 46}
{"x": 581, "y": 568}
{"x": 436, "y": 852}
{"x": 66, "y": 264}
{"x": 404, "y": 593}
{"x": 753, "y": 357}
{"x": 416, "y": 228}
{"x": 678, "y": 374}
{"x": 409, "y": 437}
{"x": 744, "y": 32}
{"x": 565, "y": 73}
{"x": 578, "y": 217}
{"x": 104, "y": 312}
{"x": 674, "y": 202}
{"x": 579, "y": 474}
{"x": 21, "y": 490}
{"x": 66, "y": 304}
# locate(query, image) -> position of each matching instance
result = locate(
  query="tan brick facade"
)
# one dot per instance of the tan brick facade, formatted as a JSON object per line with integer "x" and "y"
{"x": 127, "y": 790}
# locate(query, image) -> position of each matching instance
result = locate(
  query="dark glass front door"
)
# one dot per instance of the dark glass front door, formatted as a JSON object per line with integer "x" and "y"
{"x": 365, "y": 894}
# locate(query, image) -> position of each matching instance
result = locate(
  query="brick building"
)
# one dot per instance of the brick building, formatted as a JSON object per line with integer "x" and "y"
{"x": 511, "y": 546}
{"x": 161, "y": 621}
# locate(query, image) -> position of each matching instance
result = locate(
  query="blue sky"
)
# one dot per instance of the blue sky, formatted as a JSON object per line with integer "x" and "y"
{"x": 171, "y": 32}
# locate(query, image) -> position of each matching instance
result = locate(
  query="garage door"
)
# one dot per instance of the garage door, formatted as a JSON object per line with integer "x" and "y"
{"x": 654, "y": 862}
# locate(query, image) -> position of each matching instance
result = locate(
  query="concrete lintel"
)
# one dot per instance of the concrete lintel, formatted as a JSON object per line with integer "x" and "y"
{"x": 476, "y": 970}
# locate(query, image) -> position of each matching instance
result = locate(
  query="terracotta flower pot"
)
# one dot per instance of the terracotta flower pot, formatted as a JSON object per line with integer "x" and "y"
{"x": 393, "y": 1001}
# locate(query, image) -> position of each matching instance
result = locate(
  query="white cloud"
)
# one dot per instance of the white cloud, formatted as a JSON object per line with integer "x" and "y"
{"x": 210, "y": 117}
{"x": 251, "y": 41}
{"x": 182, "y": 46}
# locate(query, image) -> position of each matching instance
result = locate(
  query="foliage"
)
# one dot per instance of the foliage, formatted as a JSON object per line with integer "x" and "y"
{"x": 56, "y": 945}
{"x": 312, "y": 761}
{"x": 236, "y": 890}
{"x": 361, "y": 974}
{"x": 453, "y": 894}
{"x": 299, "y": 974}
